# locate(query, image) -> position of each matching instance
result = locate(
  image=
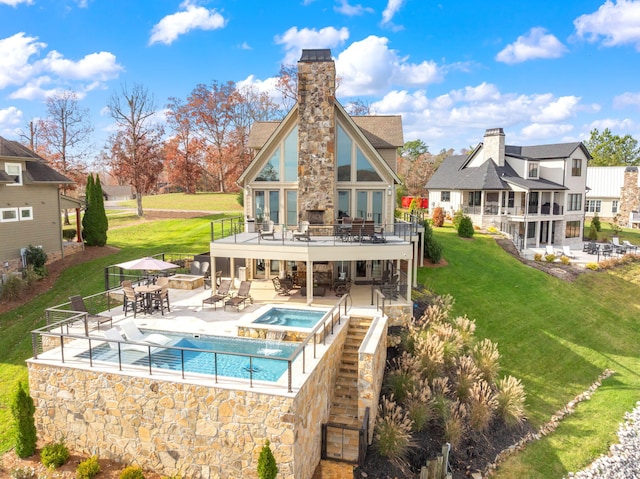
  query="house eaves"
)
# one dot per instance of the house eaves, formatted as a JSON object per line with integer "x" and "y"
{"x": 40, "y": 172}
{"x": 534, "y": 185}
{"x": 546, "y": 152}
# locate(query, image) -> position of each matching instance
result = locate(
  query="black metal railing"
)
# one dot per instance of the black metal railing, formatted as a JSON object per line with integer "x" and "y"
{"x": 57, "y": 328}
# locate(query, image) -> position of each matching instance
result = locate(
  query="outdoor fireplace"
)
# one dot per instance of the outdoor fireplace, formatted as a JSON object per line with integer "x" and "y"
{"x": 315, "y": 217}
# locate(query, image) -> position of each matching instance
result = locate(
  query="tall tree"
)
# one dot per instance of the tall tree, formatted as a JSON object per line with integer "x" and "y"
{"x": 412, "y": 150}
{"x": 608, "y": 149}
{"x": 135, "y": 151}
{"x": 64, "y": 137}
{"x": 287, "y": 85}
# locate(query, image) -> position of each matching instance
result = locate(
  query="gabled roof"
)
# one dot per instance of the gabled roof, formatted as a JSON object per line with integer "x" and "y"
{"x": 13, "y": 149}
{"x": 37, "y": 168}
{"x": 40, "y": 172}
{"x": 546, "y": 152}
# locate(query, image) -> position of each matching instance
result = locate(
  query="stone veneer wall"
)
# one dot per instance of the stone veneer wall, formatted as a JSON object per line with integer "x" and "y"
{"x": 198, "y": 431}
{"x": 629, "y": 195}
{"x": 316, "y": 138}
{"x": 372, "y": 357}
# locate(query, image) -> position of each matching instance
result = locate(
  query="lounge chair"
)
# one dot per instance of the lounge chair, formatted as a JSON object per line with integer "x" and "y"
{"x": 303, "y": 232}
{"x": 619, "y": 248}
{"x": 220, "y": 295}
{"x": 241, "y": 297}
{"x": 268, "y": 230}
{"x": 549, "y": 250}
{"x": 77, "y": 303}
{"x": 132, "y": 333}
{"x": 114, "y": 339}
{"x": 566, "y": 251}
{"x": 630, "y": 246}
{"x": 282, "y": 286}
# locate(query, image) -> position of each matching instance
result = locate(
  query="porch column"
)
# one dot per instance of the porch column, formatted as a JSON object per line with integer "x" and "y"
{"x": 416, "y": 251}
{"x": 78, "y": 226}
{"x": 309, "y": 282}
{"x": 232, "y": 273}
{"x": 410, "y": 278}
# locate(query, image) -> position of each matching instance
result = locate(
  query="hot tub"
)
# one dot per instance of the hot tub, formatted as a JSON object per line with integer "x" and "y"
{"x": 279, "y": 323}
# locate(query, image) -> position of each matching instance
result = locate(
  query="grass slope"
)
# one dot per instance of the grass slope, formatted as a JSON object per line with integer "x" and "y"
{"x": 557, "y": 337}
{"x": 220, "y": 202}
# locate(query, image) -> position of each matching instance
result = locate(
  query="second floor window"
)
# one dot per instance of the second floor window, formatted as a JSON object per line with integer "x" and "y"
{"x": 575, "y": 202}
{"x": 14, "y": 170}
{"x": 576, "y": 167}
{"x": 533, "y": 169}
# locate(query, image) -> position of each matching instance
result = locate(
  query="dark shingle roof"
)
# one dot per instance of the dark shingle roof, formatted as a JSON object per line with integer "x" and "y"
{"x": 37, "y": 169}
{"x": 543, "y": 152}
{"x": 4, "y": 178}
{"x": 13, "y": 149}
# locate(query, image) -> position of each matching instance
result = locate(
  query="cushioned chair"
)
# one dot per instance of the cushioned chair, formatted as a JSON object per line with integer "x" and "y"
{"x": 220, "y": 295}
{"x": 77, "y": 303}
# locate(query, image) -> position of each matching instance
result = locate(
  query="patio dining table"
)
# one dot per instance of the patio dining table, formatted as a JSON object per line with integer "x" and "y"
{"x": 148, "y": 291}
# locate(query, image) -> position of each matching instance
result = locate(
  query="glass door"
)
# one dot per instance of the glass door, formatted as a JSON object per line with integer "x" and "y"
{"x": 368, "y": 270}
{"x": 370, "y": 205}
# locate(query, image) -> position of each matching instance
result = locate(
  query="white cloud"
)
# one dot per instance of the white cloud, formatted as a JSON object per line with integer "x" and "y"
{"x": 627, "y": 99}
{"x": 351, "y": 10}
{"x": 369, "y": 67}
{"x": 617, "y": 23}
{"x": 10, "y": 119}
{"x": 15, "y": 52}
{"x": 556, "y": 110}
{"x": 534, "y": 44}
{"x": 102, "y": 66}
{"x": 15, "y": 3}
{"x": 245, "y": 46}
{"x": 389, "y": 12}
{"x": 262, "y": 86}
{"x": 537, "y": 131}
{"x": 295, "y": 40}
{"x": 191, "y": 18}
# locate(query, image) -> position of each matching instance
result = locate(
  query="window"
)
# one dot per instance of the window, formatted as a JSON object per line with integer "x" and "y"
{"x": 445, "y": 196}
{"x": 14, "y": 170}
{"x": 575, "y": 202}
{"x": 614, "y": 206}
{"x": 475, "y": 197}
{"x": 508, "y": 198}
{"x": 592, "y": 206}
{"x": 284, "y": 161}
{"x": 573, "y": 229}
{"x": 8, "y": 214}
{"x": 345, "y": 151}
{"x": 576, "y": 167}
{"x": 271, "y": 170}
{"x": 533, "y": 169}
{"x": 343, "y": 146}
{"x": 344, "y": 203}
{"x": 292, "y": 208}
{"x": 26, "y": 213}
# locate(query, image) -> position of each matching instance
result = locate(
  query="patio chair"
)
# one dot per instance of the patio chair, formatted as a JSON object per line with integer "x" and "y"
{"x": 268, "y": 230}
{"x": 133, "y": 301}
{"x": 208, "y": 280}
{"x": 160, "y": 299}
{"x": 282, "y": 286}
{"x": 241, "y": 297}
{"x": 303, "y": 232}
{"x": 132, "y": 333}
{"x": 220, "y": 295}
{"x": 77, "y": 303}
{"x": 606, "y": 250}
{"x": 368, "y": 231}
{"x": 566, "y": 251}
{"x": 344, "y": 229}
{"x": 194, "y": 269}
{"x": 548, "y": 249}
{"x": 591, "y": 247}
{"x": 630, "y": 246}
{"x": 356, "y": 228}
{"x": 114, "y": 339}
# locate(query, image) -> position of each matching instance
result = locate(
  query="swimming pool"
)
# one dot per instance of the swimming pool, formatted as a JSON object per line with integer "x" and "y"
{"x": 293, "y": 318}
{"x": 229, "y": 365}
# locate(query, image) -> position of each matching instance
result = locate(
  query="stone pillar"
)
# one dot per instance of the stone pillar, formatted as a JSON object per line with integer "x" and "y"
{"x": 316, "y": 134}
{"x": 629, "y": 194}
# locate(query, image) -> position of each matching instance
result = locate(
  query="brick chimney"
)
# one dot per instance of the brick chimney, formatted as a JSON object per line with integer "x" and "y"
{"x": 316, "y": 135}
{"x": 493, "y": 145}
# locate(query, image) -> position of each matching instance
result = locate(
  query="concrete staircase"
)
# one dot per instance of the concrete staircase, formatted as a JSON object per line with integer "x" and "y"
{"x": 343, "y": 443}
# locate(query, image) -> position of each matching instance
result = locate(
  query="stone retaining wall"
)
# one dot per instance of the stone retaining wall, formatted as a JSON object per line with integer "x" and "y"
{"x": 197, "y": 431}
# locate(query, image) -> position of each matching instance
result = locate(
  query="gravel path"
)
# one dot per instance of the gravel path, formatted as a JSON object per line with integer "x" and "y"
{"x": 623, "y": 460}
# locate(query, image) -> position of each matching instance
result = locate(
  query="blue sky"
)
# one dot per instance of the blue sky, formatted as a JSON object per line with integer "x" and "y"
{"x": 545, "y": 71}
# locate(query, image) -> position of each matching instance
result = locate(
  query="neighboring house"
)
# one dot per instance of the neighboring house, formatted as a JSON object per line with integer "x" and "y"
{"x": 30, "y": 204}
{"x": 534, "y": 194}
{"x": 613, "y": 192}
{"x": 117, "y": 192}
{"x": 318, "y": 165}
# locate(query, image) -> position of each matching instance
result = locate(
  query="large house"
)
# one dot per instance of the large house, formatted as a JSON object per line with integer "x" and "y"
{"x": 30, "y": 204}
{"x": 613, "y": 193}
{"x": 316, "y": 167}
{"x": 534, "y": 194}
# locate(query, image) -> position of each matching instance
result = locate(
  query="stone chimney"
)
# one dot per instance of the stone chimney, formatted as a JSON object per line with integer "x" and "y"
{"x": 316, "y": 136}
{"x": 493, "y": 145}
{"x": 629, "y": 194}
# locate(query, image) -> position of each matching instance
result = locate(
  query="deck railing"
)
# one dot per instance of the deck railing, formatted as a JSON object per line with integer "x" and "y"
{"x": 60, "y": 320}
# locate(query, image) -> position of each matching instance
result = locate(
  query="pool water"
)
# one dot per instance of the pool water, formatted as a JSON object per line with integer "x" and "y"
{"x": 229, "y": 365}
{"x": 293, "y": 318}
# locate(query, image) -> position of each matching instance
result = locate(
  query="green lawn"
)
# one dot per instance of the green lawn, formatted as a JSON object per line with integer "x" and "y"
{"x": 555, "y": 336}
{"x": 219, "y": 202}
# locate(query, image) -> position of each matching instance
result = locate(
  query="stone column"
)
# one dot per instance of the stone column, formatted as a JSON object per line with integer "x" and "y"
{"x": 629, "y": 194}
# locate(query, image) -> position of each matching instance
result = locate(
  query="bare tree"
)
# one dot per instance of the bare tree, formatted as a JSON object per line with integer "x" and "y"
{"x": 136, "y": 150}
{"x": 287, "y": 85}
{"x": 65, "y": 135}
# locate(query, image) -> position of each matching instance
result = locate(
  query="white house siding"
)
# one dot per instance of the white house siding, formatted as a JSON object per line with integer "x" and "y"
{"x": 605, "y": 184}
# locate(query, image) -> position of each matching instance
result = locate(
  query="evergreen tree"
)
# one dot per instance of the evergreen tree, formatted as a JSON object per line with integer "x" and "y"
{"x": 23, "y": 410}
{"x": 101, "y": 221}
{"x": 267, "y": 468}
{"x": 465, "y": 228}
{"x": 86, "y": 219}
{"x": 596, "y": 222}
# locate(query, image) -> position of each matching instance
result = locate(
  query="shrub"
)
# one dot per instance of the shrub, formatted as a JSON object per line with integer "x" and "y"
{"x": 434, "y": 251}
{"x": 23, "y": 473}
{"x": 438, "y": 217}
{"x": 36, "y": 257}
{"x": 466, "y": 375}
{"x": 88, "y": 468}
{"x": 487, "y": 359}
{"x": 565, "y": 260}
{"x": 457, "y": 217}
{"x": 240, "y": 198}
{"x": 481, "y": 406}
{"x": 465, "y": 229}
{"x": 392, "y": 432}
{"x": 592, "y": 266}
{"x": 593, "y": 233}
{"x": 23, "y": 410}
{"x": 13, "y": 287}
{"x": 550, "y": 258}
{"x": 510, "y": 401}
{"x": 131, "y": 472}
{"x": 267, "y": 468}
{"x": 418, "y": 407}
{"x": 69, "y": 233}
{"x": 454, "y": 425}
{"x": 537, "y": 257}
{"x": 595, "y": 221}
{"x": 54, "y": 455}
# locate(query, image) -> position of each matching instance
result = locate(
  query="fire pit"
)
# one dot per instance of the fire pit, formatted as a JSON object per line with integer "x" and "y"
{"x": 186, "y": 281}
